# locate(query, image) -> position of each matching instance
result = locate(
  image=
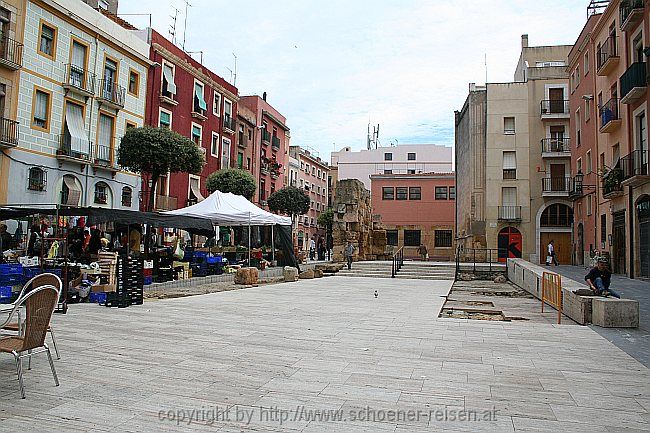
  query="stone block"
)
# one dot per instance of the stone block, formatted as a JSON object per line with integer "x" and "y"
{"x": 615, "y": 313}
{"x": 290, "y": 274}
{"x": 575, "y": 306}
{"x": 318, "y": 273}
{"x": 246, "y": 276}
{"x": 307, "y": 275}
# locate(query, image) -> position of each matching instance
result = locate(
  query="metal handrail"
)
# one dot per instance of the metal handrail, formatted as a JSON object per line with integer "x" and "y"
{"x": 11, "y": 51}
{"x": 398, "y": 261}
{"x": 606, "y": 51}
{"x": 485, "y": 255}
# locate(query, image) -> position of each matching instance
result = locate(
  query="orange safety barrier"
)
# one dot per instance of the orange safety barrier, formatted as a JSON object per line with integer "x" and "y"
{"x": 552, "y": 292}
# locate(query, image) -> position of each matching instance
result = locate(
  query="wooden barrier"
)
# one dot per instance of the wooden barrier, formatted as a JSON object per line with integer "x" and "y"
{"x": 552, "y": 292}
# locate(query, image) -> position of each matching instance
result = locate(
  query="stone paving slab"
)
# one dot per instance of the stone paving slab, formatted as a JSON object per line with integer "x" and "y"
{"x": 323, "y": 345}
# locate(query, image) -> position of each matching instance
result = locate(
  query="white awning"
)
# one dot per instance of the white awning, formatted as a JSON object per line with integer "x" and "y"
{"x": 198, "y": 93}
{"x": 196, "y": 191}
{"x": 75, "y": 123}
{"x": 509, "y": 160}
{"x": 74, "y": 192}
{"x": 168, "y": 72}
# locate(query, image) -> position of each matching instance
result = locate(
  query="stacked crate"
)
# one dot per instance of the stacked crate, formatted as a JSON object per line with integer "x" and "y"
{"x": 11, "y": 276}
{"x": 108, "y": 267}
{"x": 148, "y": 272}
{"x": 130, "y": 283}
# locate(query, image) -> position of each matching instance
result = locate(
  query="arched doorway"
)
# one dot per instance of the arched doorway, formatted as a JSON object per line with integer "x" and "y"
{"x": 580, "y": 254}
{"x": 643, "y": 214}
{"x": 555, "y": 224}
{"x": 509, "y": 243}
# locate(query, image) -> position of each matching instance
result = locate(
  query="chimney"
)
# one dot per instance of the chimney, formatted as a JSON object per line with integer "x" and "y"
{"x": 524, "y": 41}
{"x": 264, "y": 96}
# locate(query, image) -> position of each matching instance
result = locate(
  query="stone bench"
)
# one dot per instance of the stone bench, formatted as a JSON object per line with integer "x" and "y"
{"x": 615, "y": 313}
{"x": 582, "y": 309}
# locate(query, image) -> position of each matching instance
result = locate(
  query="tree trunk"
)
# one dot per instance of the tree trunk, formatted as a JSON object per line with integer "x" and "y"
{"x": 152, "y": 195}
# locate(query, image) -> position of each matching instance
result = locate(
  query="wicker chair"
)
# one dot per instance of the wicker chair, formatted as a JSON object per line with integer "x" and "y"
{"x": 39, "y": 304}
{"x": 37, "y": 281}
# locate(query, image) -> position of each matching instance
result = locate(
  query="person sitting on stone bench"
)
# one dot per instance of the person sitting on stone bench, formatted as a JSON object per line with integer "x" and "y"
{"x": 599, "y": 279}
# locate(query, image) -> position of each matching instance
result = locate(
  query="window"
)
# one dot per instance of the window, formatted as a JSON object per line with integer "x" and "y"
{"x": 47, "y": 40}
{"x": 70, "y": 191}
{"x": 412, "y": 238}
{"x": 603, "y": 230}
{"x": 589, "y": 204}
{"x": 41, "y": 109}
{"x": 225, "y": 152}
{"x": 411, "y": 156}
{"x": 586, "y": 62}
{"x": 579, "y": 165}
{"x": 415, "y": 193}
{"x": 105, "y": 138}
{"x": 587, "y": 110}
{"x": 165, "y": 119}
{"x": 127, "y": 196}
{"x": 452, "y": 193}
{"x": 510, "y": 165}
{"x": 101, "y": 193}
{"x": 588, "y": 161}
{"x": 168, "y": 85}
{"x": 103, "y": 4}
{"x": 443, "y": 239}
{"x": 36, "y": 179}
{"x": 410, "y": 171}
{"x": 557, "y": 215}
{"x": 508, "y": 199}
{"x": 509, "y": 125}
{"x": 441, "y": 193}
{"x": 196, "y": 135}
{"x": 130, "y": 124}
{"x": 78, "y": 58}
{"x": 388, "y": 156}
{"x": 199, "y": 102}
{"x": 216, "y": 104}
{"x": 240, "y": 160}
{"x": 388, "y": 193}
{"x": 227, "y": 110}
{"x": 578, "y": 128}
{"x": 392, "y": 237}
{"x": 214, "y": 146}
{"x": 402, "y": 193}
{"x": 388, "y": 171}
{"x": 134, "y": 83}
{"x": 262, "y": 189}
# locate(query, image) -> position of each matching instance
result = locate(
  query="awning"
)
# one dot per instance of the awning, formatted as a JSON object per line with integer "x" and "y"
{"x": 198, "y": 93}
{"x": 74, "y": 192}
{"x": 196, "y": 191}
{"x": 168, "y": 72}
{"x": 75, "y": 123}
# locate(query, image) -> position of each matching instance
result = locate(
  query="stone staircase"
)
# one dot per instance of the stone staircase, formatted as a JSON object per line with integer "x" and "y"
{"x": 411, "y": 270}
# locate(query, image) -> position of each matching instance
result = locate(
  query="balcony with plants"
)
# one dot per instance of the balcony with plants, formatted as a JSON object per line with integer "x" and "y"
{"x": 612, "y": 186}
{"x": 610, "y": 119}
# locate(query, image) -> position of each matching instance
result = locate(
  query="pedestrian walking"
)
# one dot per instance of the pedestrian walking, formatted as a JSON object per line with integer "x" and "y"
{"x": 348, "y": 252}
{"x": 551, "y": 258}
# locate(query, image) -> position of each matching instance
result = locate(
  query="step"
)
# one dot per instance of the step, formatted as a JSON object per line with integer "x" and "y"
{"x": 401, "y": 277}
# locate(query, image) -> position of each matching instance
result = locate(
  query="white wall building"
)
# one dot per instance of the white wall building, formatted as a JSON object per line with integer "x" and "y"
{"x": 402, "y": 159}
{"x": 83, "y": 82}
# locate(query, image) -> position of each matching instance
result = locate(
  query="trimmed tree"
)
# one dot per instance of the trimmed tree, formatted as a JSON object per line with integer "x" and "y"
{"x": 290, "y": 201}
{"x": 326, "y": 219}
{"x": 234, "y": 180}
{"x": 156, "y": 152}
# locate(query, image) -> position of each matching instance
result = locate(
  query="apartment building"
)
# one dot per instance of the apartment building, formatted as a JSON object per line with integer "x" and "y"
{"x": 82, "y": 84}
{"x": 524, "y": 163}
{"x": 312, "y": 176}
{"x": 185, "y": 96}
{"x": 617, "y": 40}
{"x": 12, "y": 20}
{"x": 429, "y": 221}
{"x": 246, "y": 146}
{"x": 402, "y": 159}
{"x": 270, "y": 147}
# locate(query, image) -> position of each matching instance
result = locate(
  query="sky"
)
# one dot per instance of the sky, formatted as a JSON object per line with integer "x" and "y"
{"x": 332, "y": 67}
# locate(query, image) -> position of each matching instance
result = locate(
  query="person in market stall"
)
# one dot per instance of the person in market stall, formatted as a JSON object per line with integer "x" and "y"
{"x": 35, "y": 241}
{"x": 6, "y": 240}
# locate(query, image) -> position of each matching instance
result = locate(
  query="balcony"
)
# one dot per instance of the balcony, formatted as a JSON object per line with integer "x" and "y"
{"x": 266, "y": 136}
{"x": 110, "y": 94}
{"x": 610, "y": 120}
{"x": 79, "y": 80}
{"x": 509, "y": 173}
{"x": 105, "y": 159}
{"x": 11, "y": 54}
{"x": 577, "y": 188}
{"x": 275, "y": 142}
{"x": 65, "y": 152}
{"x": 635, "y": 168}
{"x": 228, "y": 123}
{"x": 510, "y": 213}
{"x": 165, "y": 202}
{"x": 8, "y": 133}
{"x": 555, "y": 109}
{"x": 631, "y": 14}
{"x": 612, "y": 183}
{"x": 634, "y": 83}
{"x": 607, "y": 57}
{"x": 264, "y": 170}
{"x": 557, "y": 186}
{"x": 556, "y": 147}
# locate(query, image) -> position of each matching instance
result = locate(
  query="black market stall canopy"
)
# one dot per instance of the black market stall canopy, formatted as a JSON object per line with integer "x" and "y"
{"x": 192, "y": 224}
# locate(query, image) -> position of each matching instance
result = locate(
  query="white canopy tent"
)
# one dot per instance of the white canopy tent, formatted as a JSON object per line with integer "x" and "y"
{"x": 227, "y": 209}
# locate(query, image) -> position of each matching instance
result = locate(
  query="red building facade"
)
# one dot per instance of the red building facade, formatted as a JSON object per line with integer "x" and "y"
{"x": 270, "y": 146}
{"x": 188, "y": 98}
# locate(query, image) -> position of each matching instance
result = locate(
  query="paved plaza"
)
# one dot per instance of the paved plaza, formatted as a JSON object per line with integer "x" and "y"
{"x": 266, "y": 358}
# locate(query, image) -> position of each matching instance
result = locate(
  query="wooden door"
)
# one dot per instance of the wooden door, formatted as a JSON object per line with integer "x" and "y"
{"x": 562, "y": 244}
{"x": 618, "y": 243}
{"x": 509, "y": 243}
{"x": 556, "y": 97}
{"x": 558, "y": 180}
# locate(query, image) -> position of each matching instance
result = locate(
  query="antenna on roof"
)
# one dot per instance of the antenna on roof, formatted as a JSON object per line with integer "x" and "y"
{"x": 172, "y": 27}
{"x": 234, "y": 78}
{"x": 187, "y": 6}
{"x": 596, "y": 7}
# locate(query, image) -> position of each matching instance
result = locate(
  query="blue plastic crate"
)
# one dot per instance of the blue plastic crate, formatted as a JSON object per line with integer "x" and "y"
{"x": 56, "y": 272}
{"x": 31, "y": 271}
{"x": 97, "y": 298}
{"x": 11, "y": 279}
{"x": 6, "y": 293}
{"x": 214, "y": 260}
{"x": 148, "y": 280}
{"x": 11, "y": 268}
{"x": 201, "y": 254}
